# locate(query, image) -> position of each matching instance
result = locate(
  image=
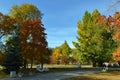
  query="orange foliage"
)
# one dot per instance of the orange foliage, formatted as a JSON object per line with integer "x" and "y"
{"x": 112, "y": 22}
{"x": 52, "y": 59}
{"x": 101, "y": 20}
{"x": 116, "y": 55}
{"x": 33, "y": 39}
{"x": 115, "y": 23}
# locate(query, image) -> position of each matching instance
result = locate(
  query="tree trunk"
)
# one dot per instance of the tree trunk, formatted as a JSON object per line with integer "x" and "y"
{"x": 94, "y": 64}
{"x": 100, "y": 64}
{"x": 31, "y": 64}
{"x": 25, "y": 63}
{"x": 42, "y": 65}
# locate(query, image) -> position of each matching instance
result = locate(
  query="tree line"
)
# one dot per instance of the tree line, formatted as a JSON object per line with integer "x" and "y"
{"x": 23, "y": 39}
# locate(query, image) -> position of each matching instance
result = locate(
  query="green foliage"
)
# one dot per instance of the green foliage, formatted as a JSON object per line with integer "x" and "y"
{"x": 74, "y": 56}
{"x": 88, "y": 43}
{"x": 95, "y": 42}
{"x": 25, "y": 12}
{"x": 7, "y": 25}
{"x": 95, "y": 14}
{"x": 86, "y": 19}
{"x": 108, "y": 44}
{"x": 65, "y": 49}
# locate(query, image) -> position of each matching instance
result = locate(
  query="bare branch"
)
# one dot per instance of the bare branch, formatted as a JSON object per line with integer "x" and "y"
{"x": 113, "y": 5}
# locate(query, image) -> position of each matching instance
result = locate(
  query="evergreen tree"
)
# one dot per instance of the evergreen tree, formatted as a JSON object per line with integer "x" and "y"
{"x": 13, "y": 56}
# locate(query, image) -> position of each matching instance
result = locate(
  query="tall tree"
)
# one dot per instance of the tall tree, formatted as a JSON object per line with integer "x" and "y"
{"x": 113, "y": 22}
{"x": 85, "y": 34}
{"x": 32, "y": 32}
{"x": 8, "y": 28}
{"x": 33, "y": 35}
{"x": 95, "y": 39}
{"x": 89, "y": 43}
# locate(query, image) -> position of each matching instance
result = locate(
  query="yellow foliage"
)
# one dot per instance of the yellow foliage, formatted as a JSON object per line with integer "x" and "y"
{"x": 57, "y": 54}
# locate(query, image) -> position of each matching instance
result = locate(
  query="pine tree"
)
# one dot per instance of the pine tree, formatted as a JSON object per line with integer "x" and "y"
{"x": 13, "y": 56}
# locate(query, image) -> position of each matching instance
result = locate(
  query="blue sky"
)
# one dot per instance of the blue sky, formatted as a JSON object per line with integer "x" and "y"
{"x": 61, "y": 16}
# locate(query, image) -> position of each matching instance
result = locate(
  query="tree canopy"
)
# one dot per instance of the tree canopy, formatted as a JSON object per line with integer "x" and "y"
{"x": 25, "y": 21}
{"x": 66, "y": 50}
{"x": 25, "y": 12}
{"x": 95, "y": 38}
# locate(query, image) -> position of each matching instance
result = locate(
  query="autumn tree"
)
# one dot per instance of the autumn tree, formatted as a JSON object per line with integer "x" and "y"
{"x": 25, "y": 12}
{"x": 12, "y": 53}
{"x": 57, "y": 55}
{"x": 32, "y": 33}
{"x": 95, "y": 39}
{"x": 113, "y": 22}
{"x": 8, "y": 28}
{"x": 7, "y": 25}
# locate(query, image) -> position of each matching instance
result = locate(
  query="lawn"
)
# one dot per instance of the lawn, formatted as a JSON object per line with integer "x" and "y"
{"x": 53, "y": 68}
{"x": 64, "y": 66}
{"x": 111, "y": 75}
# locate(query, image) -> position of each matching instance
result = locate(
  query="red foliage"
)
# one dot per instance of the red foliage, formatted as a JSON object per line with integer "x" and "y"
{"x": 52, "y": 59}
{"x": 115, "y": 23}
{"x": 63, "y": 60}
{"x": 33, "y": 40}
{"x": 112, "y": 22}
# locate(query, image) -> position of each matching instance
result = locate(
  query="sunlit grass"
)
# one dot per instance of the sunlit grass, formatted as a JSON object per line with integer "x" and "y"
{"x": 64, "y": 66}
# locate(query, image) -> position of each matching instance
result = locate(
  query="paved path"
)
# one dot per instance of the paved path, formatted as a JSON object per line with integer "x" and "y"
{"x": 53, "y": 76}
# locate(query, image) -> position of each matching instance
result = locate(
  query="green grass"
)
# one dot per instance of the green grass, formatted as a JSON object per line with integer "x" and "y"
{"x": 64, "y": 66}
{"x": 111, "y": 75}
